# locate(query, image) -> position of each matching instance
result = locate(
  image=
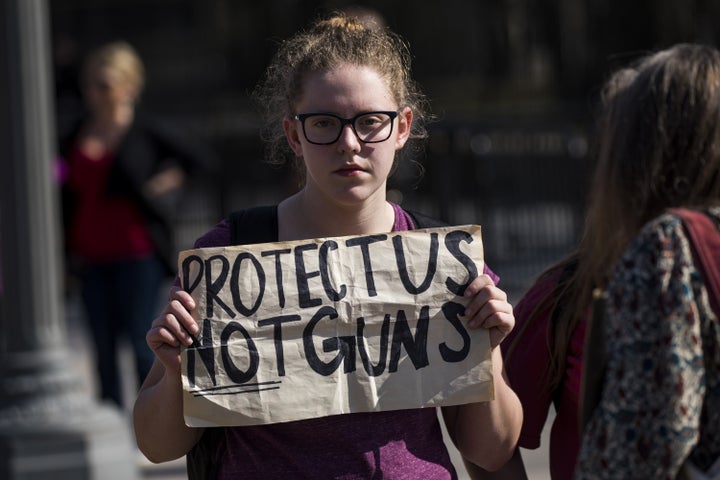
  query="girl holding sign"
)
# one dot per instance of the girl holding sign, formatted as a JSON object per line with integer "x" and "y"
{"x": 339, "y": 95}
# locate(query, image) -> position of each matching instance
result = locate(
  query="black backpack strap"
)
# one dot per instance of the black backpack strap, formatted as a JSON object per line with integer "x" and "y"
{"x": 247, "y": 226}
{"x": 423, "y": 221}
{"x": 254, "y": 225}
{"x": 203, "y": 458}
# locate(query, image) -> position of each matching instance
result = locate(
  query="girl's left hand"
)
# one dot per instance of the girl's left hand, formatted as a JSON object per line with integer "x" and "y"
{"x": 489, "y": 308}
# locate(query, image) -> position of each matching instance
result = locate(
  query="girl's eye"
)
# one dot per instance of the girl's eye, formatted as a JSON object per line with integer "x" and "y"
{"x": 369, "y": 121}
{"x": 324, "y": 122}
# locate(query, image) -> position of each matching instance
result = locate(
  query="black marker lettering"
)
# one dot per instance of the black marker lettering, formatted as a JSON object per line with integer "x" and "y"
{"x": 332, "y": 294}
{"x": 235, "y": 280}
{"x": 186, "y": 272}
{"x": 452, "y": 243}
{"x": 277, "y": 322}
{"x": 302, "y": 277}
{"x": 278, "y": 272}
{"x": 402, "y": 265}
{"x": 453, "y": 311}
{"x": 213, "y": 288}
{"x": 416, "y": 346}
{"x": 363, "y": 243}
{"x": 373, "y": 370}
{"x": 206, "y": 351}
{"x": 345, "y": 346}
{"x": 235, "y": 374}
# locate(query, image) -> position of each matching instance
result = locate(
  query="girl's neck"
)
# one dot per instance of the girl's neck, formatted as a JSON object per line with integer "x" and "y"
{"x": 306, "y": 216}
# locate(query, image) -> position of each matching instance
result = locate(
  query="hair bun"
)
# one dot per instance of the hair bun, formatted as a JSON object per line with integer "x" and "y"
{"x": 343, "y": 22}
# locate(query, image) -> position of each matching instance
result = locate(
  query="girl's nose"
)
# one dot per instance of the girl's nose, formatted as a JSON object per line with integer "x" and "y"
{"x": 348, "y": 141}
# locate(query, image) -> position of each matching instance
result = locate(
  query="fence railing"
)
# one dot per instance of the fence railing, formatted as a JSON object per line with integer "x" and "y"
{"x": 526, "y": 185}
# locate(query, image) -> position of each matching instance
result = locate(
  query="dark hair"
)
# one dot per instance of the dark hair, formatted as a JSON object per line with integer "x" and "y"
{"x": 326, "y": 44}
{"x": 657, "y": 146}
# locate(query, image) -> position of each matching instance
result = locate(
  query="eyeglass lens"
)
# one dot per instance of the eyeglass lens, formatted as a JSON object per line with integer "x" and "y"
{"x": 371, "y": 127}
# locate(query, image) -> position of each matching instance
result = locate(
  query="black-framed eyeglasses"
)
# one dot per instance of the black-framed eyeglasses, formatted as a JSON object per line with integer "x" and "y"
{"x": 326, "y": 128}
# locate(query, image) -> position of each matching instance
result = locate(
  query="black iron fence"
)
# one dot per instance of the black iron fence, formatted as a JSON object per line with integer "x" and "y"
{"x": 524, "y": 182}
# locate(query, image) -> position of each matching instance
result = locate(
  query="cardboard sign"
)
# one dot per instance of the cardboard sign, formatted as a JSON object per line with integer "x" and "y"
{"x": 310, "y": 328}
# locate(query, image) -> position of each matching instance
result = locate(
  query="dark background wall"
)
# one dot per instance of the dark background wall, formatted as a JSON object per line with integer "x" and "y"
{"x": 513, "y": 84}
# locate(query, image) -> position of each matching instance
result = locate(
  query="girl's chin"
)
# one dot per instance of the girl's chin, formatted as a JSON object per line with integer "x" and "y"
{"x": 358, "y": 196}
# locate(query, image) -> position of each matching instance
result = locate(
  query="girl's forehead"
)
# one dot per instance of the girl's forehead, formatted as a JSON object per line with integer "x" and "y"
{"x": 347, "y": 86}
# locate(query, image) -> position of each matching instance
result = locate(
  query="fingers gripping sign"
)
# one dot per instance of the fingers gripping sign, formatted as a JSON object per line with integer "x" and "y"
{"x": 489, "y": 309}
{"x": 173, "y": 327}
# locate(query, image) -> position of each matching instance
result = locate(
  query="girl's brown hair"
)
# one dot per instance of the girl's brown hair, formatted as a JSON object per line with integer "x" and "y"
{"x": 332, "y": 41}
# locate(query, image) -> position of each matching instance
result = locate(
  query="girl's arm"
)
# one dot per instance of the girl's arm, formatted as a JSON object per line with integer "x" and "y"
{"x": 160, "y": 428}
{"x": 486, "y": 433}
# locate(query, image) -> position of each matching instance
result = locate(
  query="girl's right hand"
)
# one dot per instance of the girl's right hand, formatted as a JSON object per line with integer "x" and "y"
{"x": 173, "y": 328}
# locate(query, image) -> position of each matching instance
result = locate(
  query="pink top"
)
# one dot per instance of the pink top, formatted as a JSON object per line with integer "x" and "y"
{"x": 526, "y": 368}
{"x": 402, "y": 444}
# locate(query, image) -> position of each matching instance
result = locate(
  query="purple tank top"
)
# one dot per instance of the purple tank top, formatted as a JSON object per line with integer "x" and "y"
{"x": 401, "y": 444}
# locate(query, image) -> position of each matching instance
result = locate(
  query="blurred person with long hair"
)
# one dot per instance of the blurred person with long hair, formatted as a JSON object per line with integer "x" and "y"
{"x": 120, "y": 170}
{"x": 545, "y": 353}
{"x": 658, "y": 415}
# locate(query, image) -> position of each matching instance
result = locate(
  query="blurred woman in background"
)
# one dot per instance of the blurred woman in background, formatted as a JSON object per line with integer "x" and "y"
{"x": 120, "y": 172}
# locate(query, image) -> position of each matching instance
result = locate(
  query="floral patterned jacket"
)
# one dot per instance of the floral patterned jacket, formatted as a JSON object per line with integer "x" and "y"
{"x": 661, "y": 398}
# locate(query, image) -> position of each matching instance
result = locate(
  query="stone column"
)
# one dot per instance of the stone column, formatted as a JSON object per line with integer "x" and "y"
{"x": 50, "y": 427}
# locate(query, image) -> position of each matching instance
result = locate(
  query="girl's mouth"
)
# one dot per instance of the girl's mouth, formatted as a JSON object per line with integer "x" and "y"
{"x": 349, "y": 171}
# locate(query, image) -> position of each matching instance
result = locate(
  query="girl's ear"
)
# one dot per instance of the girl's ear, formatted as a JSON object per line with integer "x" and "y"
{"x": 404, "y": 119}
{"x": 292, "y": 134}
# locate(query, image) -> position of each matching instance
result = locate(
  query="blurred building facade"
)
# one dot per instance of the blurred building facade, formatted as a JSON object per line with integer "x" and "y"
{"x": 513, "y": 84}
